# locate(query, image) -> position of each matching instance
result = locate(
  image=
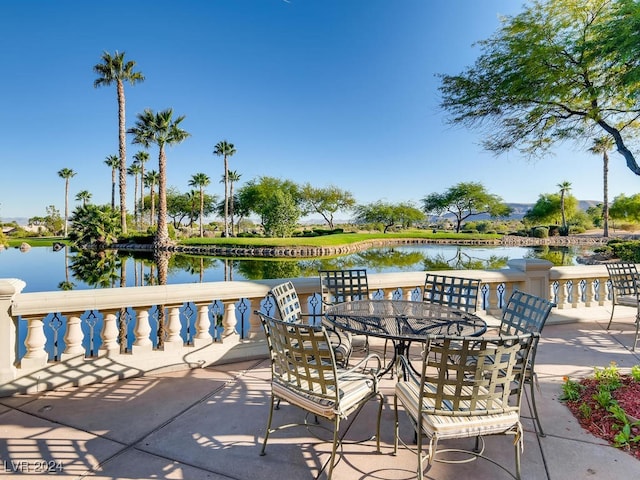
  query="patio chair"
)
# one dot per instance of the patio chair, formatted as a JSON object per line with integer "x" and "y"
{"x": 456, "y": 292}
{"x": 454, "y": 398}
{"x": 305, "y": 374}
{"x": 287, "y": 304}
{"x": 526, "y": 313}
{"x": 624, "y": 290}
{"x": 339, "y": 286}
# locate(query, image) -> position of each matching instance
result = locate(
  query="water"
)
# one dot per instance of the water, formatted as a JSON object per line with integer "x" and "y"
{"x": 44, "y": 269}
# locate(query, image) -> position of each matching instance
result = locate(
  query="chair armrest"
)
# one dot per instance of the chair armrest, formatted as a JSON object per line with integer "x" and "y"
{"x": 363, "y": 366}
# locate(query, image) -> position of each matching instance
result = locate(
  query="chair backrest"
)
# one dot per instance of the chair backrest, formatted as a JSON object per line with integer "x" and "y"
{"x": 474, "y": 375}
{"x": 302, "y": 360}
{"x": 344, "y": 285}
{"x": 287, "y": 302}
{"x": 624, "y": 278}
{"x": 456, "y": 292}
{"x": 524, "y": 313}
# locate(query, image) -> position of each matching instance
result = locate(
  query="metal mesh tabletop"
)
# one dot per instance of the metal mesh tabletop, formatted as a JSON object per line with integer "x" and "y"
{"x": 403, "y": 320}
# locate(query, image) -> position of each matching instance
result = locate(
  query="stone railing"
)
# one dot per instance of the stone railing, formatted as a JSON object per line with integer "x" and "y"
{"x": 63, "y": 338}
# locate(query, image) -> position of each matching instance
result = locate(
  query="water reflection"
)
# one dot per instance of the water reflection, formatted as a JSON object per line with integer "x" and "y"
{"x": 44, "y": 269}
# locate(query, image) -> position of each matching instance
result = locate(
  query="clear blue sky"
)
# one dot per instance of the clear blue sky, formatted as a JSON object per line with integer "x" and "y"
{"x": 340, "y": 92}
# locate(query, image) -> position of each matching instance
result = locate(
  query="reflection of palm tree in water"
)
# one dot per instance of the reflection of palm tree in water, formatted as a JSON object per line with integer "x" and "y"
{"x": 67, "y": 284}
{"x": 161, "y": 258}
{"x": 462, "y": 260}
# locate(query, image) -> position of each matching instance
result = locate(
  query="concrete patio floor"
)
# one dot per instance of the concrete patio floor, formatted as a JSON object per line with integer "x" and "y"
{"x": 209, "y": 423}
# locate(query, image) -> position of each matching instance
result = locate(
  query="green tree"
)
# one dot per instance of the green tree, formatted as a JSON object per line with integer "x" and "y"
{"x": 141, "y": 157}
{"x": 200, "y": 181}
{"x": 564, "y": 189}
{"x": 113, "y": 162}
{"x": 66, "y": 173}
{"x": 548, "y": 209}
{"x": 602, "y": 145}
{"x": 114, "y": 69}
{"x": 626, "y": 208}
{"x": 83, "y": 196}
{"x": 53, "y": 221}
{"x": 234, "y": 177}
{"x": 326, "y": 201}
{"x": 160, "y": 129}
{"x": 281, "y": 215}
{"x": 225, "y": 150}
{"x": 464, "y": 200}
{"x": 151, "y": 180}
{"x": 561, "y": 69}
{"x": 134, "y": 170}
{"x": 256, "y": 195}
{"x": 95, "y": 225}
{"x": 388, "y": 214}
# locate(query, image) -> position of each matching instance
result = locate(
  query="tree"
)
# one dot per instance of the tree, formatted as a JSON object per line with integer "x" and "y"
{"x": 151, "y": 180}
{"x": 159, "y": 129}
{"x": 134, "y": 170}
{"x": 141, "y": 157}
{"x": 225, "y": 149}
{"x": 233, "y": 177}
{"x": 564, "y": 189}
{"x": 548, "y": 209}
{"x": 256, "y": 195}
{"x": 626, "y": 208}
{"x": 114, "y": 163}
{"x": 66, "y": 173}
{"x": 464, "y": 200}
{"x": 83, "y": 196}
{"x": 602, "y": 145}
{"x": 114, "y": 69}
{"x": 326, "y": 201}
{"x": 551, "y": 73}
{"x": 53, "y": 221}
{"x": 200, "y": 181}
{"x": 388, "y": 214}
{"x": 281, "y": 215}
{"x": 95, "y": 225}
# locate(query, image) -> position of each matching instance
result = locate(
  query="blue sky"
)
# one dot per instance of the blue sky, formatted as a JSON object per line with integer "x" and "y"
{"x": 331, "y": 92}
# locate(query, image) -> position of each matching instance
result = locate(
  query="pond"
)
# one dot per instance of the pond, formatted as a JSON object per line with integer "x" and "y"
{"x": 44, "y": 269}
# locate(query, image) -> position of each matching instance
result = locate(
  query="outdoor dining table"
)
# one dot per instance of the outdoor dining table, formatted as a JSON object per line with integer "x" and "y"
{"x": 403, "y": 322}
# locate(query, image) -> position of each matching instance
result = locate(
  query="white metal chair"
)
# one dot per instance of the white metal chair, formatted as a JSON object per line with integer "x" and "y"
{"x": 457, "y": 398}
{"x": 304, "y": 373}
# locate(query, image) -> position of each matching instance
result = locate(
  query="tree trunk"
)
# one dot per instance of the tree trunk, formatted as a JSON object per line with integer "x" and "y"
{"x": 605, "y": 202}
{"x": 162, "y": 234}
{"x": 122, "y": 149}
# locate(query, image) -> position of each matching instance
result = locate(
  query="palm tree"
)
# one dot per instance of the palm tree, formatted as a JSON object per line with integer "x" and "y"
{"x": 151, "y": 180}
{"x": 66, "y": 173}
{"x": 159, "y": 129}
{"x": 234, "y": 177}
{"x": 114, "y": 69}
{"x": 114, "y": 162}
{"x": 601, "y": 146}
{"x": 200, "y": 180}
{"x": 564, "y": 189}
{"x": 225, "y": 149}
{"x": 134, "y": 170}
{"x": 141, "y": 158}
{"x": 83, "y": 196}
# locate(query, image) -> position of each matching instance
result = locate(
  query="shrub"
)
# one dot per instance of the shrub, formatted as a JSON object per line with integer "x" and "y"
{"x": 540, "y": 232}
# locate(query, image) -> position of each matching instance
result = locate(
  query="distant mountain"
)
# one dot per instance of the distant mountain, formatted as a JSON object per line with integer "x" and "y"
{"x": 520, "y": 209}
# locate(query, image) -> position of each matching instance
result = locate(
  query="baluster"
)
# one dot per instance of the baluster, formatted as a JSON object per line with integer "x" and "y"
{"x": 562, "y": 294}
{"x": 173, "y": 340}
{"x": 602, "y": 290}
{"x": 35, "y": 342}
{"x": 589, "y": 289}
{"x": 203, "y": 324}
{"x": 229, "y": 319}
{"x": 73, "y": 337}
{"x": 142, "y": 332}
{"x": 109, "y": 334}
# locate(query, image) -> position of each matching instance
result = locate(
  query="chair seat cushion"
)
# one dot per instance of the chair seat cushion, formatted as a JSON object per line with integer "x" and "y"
{"x": 354, "y": 388}
{"x": 453, "y": 426}
{"x": 627, "y": 300}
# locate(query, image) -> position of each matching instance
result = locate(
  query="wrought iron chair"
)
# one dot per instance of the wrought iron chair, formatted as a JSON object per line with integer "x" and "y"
{"x": 304, "y": 373}
{"x": 625, "y": 290}
{"x": 287, "y": 304}
{"x": 526, "y": 313}
{"x": 456, "y": 292}
{"x": 455, "y": 398}
{"x": 339, "y": 286}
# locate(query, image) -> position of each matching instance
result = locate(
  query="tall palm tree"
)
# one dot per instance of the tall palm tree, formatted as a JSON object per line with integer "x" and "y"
{"x": 134, "y": 170}
{"x": 141, "y": 158}
{"x": 66, "y": 173}
{"x": 564, "y": 189}
{"x": 114, "y": 69}
{"x": 114, "y": 162}
{"x": 234, "y": 177}
{"x": 200, "y": 180}
{"x": 151, "y": 180}
{"x": 83, "y": 196}
{"x": 602, "y": 145}
{"x": 159, "y": 129}
{"x": 225, "y": 149}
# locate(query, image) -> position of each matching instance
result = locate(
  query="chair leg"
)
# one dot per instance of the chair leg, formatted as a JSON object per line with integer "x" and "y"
{"x": 518, "y": 469}
{"x": 332, "y": 462}
{"x": 266, "y": 434}
{"x": 613, "y": 307}
{"x": 635, "y": 342}
{"x": 532, "y": 383}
